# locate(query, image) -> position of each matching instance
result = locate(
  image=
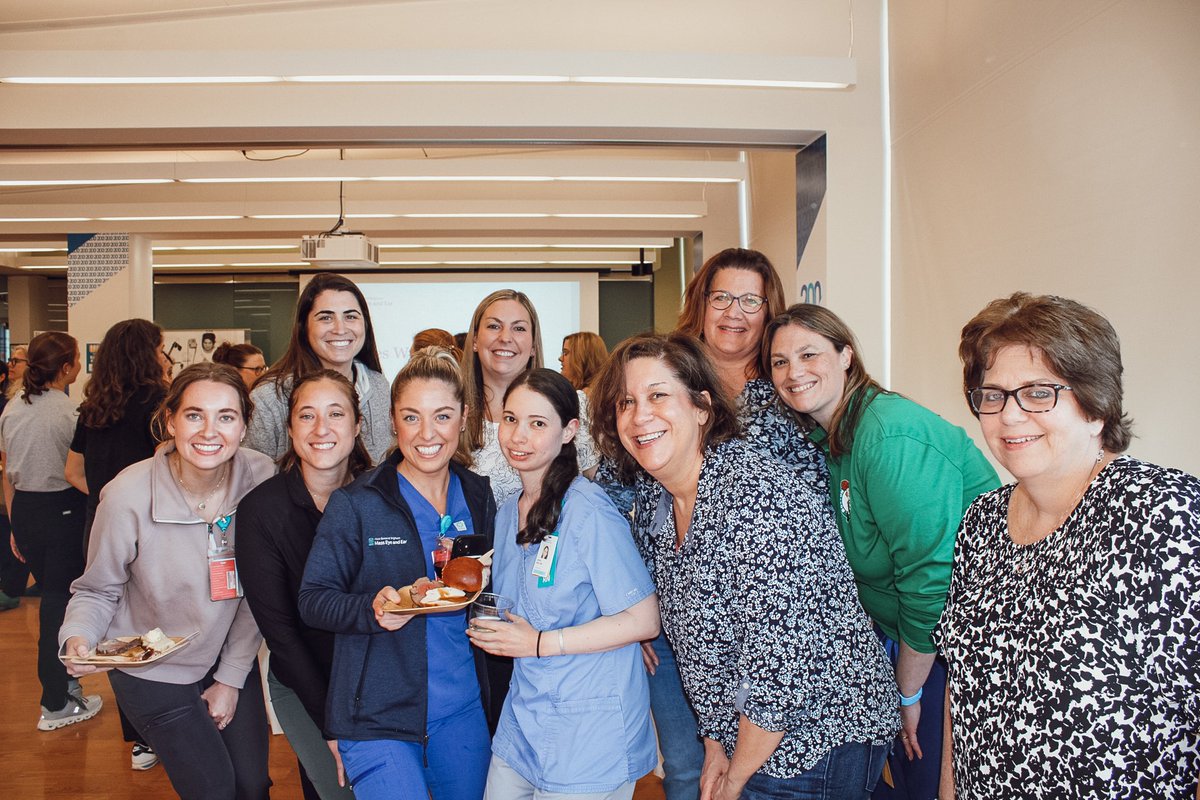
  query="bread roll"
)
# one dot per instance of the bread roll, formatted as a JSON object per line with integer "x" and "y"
{"x": 463, "y": 573}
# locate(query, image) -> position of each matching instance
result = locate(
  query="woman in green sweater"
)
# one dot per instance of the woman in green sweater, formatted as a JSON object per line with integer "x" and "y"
{"x": 900, "y": 479}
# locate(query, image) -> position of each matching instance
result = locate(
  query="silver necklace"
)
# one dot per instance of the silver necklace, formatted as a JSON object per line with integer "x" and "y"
{"x": 188, "y": 494}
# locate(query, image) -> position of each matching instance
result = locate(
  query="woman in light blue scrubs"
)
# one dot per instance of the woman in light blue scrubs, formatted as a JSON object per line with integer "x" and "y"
{"x": 577, "y": 717}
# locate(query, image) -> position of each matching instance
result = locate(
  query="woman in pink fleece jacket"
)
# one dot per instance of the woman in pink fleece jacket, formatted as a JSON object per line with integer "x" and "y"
{"x": 161, "y": 556}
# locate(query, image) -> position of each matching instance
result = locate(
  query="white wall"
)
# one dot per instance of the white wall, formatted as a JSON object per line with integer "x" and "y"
{"x": 1052, "y": 148}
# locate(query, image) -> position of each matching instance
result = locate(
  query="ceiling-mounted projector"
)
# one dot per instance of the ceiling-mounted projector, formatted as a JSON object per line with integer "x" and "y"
{"x": 339, "y": 250}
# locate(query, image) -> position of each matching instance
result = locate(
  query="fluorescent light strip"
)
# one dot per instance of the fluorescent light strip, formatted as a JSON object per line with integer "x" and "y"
{"x": 626, "y": 216}
{"x": 33, "y": 249}
{"x": 44, "y": 266}
{"x": 45, "y": 219}
{"x": 282, "y": 179}
{"x": 428, "y": 78}
{"x": 88, "y": 182}
{"x": 644, "y": 179}
{"x": 85, "y": 80}
{"x": 233, "y": 247}
{"x": 478, "y": 215}
{"x": 471, "y": 178}
{"x": 171, "y": 218}
{"x": 525, "y": 246}
{"x": 270, "y": 264}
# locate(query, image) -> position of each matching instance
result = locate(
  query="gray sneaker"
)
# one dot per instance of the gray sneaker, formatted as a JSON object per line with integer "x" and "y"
{"x": 76, "y": 710}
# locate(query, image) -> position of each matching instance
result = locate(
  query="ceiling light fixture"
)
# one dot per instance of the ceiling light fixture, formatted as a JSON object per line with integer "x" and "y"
{"x": 94, "y": 80}
{"x": 172, "y": 218}
{"x": 87, "y": 182}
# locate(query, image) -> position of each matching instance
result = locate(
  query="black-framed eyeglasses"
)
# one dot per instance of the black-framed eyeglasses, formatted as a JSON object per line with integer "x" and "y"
{"x": 14, "y": 361}
{"x": 256, "y": 370}
{"x": 1032, "y": 398}
{"x": 750, "y": 303}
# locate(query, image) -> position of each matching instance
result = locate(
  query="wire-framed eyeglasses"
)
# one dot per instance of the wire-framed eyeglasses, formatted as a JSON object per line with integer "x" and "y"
{"x": 750, "y": 303}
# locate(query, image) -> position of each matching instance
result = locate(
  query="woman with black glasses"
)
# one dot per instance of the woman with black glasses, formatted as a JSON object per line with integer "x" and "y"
{"x": 900, "y": 479}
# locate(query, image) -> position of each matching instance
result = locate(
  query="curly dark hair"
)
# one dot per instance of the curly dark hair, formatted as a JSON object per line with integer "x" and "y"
{"x": 126, "y": 365}
{"x": 684, "y": 355}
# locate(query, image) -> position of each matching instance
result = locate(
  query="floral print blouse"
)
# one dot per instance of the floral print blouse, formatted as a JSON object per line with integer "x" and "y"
{"x": 760, "y": 606}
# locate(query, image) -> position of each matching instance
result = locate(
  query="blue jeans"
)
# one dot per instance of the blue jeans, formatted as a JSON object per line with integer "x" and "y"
{"x": 847, "y": 772}
{"x": 918, "y": 779}
{"x": 682, "y": 751}
{"x": 453, "y": 766}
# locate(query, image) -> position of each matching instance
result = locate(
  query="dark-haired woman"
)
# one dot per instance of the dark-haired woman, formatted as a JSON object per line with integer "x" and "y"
{"x": 405, "y": 694}
{"x": 46, "y": 512}
{"x": 1070, "y": 629}
{"x": 333, "y": 331}
{"x": 577, "y": 716}
{"x": 900, "y": 479}
{"x": 245, "y": 358}
{"x": 791, "y": 688}
{"x": 113, "y": 431}
{"x": 275, "y": 534}
{"x": 162, "y": 556}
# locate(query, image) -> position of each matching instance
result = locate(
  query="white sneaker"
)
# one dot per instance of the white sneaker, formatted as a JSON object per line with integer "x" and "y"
{"x": 143, "y": 757}
{"x": 76, "y": 710}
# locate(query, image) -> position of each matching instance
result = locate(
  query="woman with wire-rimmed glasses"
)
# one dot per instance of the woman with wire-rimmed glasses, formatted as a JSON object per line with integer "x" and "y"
{"x": 900, "y": 479}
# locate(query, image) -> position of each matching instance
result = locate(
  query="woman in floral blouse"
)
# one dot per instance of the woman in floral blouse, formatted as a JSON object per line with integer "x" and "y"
{"x": 791, "y": 688}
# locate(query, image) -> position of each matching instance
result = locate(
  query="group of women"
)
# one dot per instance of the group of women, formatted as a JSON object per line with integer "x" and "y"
{"x": 802, "y": 604}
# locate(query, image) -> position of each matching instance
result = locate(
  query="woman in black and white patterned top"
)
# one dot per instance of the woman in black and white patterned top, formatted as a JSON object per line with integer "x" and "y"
{"x": 1071, "y": 625}
{"x": 790, "y": 685}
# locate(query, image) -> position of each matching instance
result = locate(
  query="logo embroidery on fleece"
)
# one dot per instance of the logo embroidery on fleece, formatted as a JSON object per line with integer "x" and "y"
{"x": 845, "y": 499}
{"x": 381, "y": 541}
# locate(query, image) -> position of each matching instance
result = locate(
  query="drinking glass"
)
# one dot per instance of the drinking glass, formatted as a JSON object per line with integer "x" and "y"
{"x": 490, "y": 608}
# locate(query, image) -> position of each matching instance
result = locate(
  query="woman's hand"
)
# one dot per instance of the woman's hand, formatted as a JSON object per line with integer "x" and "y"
{"x": 515, "y": 638}
{"x": 222, "y": 702}
{"x": 716, "y": 768}
{"x": 649, "y": 657}
{"x": 909, "y": 717}
{"x": 389, "y": 622}
{"x": 337, "y": 759}
{"x": 78, "y": 646}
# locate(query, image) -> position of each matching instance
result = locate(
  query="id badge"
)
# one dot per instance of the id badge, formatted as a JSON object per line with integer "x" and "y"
{"x": 223, "y": 583}
{"x": 546, "y": 561}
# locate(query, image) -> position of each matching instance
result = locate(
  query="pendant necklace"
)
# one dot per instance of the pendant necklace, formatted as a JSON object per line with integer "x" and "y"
{"x": 188, "y": 494}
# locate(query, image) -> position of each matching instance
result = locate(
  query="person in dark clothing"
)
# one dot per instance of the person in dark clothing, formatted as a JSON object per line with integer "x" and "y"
{"x": 278, "y": 522}
{"x": 407, "y": 695}
{"x": 14, "y": 574}
{"x": 113, "y": 431}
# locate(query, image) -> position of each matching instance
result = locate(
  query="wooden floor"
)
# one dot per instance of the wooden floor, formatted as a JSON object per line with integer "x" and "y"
{"x": 89, "y": 760}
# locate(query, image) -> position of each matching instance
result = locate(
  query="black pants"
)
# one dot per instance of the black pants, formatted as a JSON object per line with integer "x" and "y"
{"x": 202, "y": 762}
{"x": 13, "y": 574}
{"x": 49, "y": 531}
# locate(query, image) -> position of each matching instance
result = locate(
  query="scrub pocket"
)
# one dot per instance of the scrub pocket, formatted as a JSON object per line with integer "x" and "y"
{"x": 586, "y": 743}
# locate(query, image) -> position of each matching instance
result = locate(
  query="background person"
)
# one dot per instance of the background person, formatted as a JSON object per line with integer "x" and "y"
{"x": 900, "y": 478}
{"x": 17, "y": 361}
{"x": 504, "y": 340}
{"x": 791, "y": 688}
{"x": 46, "y": 512}
{"x": 577, "y": 716}
{"x": 583, "y": 356}
{"x": 332, "y": 331}
{"x": 14, "y": 574}
{"x": 1081, "y": 574}
{"x": 164, "y": 526}
{"x": 435, "y": 337}
{"x": 114, "y": 431}
{"x": 245, "y": 358}
{"x": 278, "y": 521}
{"x": 404, "y": 699}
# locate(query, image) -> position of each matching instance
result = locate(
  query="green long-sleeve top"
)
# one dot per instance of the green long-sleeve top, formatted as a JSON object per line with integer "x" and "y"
{"x": 899, "y": 496}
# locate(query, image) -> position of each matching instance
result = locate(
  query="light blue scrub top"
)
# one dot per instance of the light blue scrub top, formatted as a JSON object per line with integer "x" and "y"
{"x": 577, "y": 723}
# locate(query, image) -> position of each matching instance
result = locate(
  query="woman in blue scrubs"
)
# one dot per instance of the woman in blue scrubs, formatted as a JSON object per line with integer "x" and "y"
{"x": 404, "y": 698}
{"x": 577, "y": 717}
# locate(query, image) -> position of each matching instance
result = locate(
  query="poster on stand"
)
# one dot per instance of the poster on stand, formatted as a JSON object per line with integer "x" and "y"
{"x": 187, "y": 347}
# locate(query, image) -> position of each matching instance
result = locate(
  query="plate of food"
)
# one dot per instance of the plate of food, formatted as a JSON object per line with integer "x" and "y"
{"x": 133, "y": 651}
{"x": 462, "y": 581}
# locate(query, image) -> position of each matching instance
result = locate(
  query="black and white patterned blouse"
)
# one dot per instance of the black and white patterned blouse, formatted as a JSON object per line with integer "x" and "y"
{"x": 772, "y": 430}
{"x": 1074, "y": 662}
{"x": 760, "y": 607}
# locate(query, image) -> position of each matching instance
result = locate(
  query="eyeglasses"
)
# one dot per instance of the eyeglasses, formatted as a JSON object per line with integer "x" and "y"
{"x": 256, "y": 370}
{"x": 1032, "y": 398}
{"x": 750, "y": 303}
{"x": 14, "y": 361}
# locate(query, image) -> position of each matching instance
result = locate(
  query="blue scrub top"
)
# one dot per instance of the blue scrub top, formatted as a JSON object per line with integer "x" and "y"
{"x": 577, "y": 723}
{"x": 453, "y": 684}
